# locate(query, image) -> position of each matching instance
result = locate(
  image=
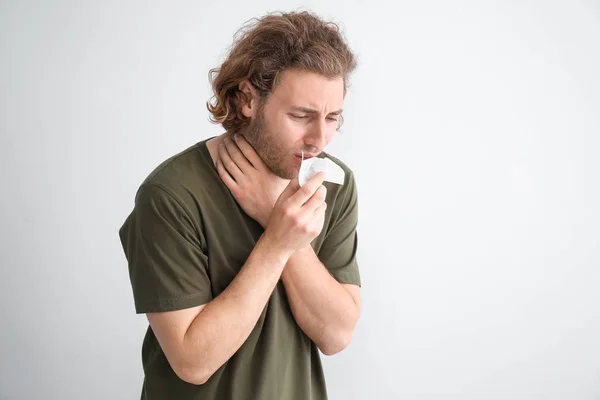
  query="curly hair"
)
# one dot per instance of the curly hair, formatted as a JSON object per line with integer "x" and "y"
{"x": 269, "y": 45}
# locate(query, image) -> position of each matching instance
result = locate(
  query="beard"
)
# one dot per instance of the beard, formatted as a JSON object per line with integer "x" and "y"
{"x": 266, "y": 144}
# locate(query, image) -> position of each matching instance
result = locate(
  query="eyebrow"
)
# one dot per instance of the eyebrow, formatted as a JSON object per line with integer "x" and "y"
{"x": 313, "y": 111}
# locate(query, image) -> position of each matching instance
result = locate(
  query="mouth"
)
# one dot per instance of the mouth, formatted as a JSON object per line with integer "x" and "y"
{"x": 306, "y": 156}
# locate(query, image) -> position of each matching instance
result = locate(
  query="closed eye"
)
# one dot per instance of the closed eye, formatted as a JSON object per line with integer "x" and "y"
{"x": 304, "y": 117}
{"x": 299, "y": 116}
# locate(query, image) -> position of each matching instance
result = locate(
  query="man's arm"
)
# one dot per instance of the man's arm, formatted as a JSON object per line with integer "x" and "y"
{"x": 198, "y": 341}
{"x": 326, "y": 310}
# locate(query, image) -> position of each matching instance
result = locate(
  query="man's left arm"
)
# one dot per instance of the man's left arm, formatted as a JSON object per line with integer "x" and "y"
{"x": 324, "y": 290}
{"x": 326, "y": 310}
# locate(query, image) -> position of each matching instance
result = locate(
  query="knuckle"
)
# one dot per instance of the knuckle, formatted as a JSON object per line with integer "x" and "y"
{"x": 298, "y": 221}
{"x": 306, "y": 229}
{"x": 322, "y": 191}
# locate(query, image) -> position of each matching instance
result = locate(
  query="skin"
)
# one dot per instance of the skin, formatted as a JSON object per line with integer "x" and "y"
{"x": 301, "y": 114}
{"x": 260, "y": 167}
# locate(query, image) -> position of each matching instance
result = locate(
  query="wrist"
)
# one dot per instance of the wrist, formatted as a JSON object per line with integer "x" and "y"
{"x": 265, "y": 219}
{"x": 271, "y": 246}
{"x": 302, "y": 251}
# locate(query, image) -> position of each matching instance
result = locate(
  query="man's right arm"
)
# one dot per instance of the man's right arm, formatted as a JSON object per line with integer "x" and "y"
{"x": 198, "y": 341}
{"x": 159, "y": 242}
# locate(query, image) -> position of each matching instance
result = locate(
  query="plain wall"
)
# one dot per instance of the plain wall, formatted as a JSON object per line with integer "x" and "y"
{"x": 473, "y": 129}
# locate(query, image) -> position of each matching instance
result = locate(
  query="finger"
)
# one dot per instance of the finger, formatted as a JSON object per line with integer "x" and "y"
{"x": 317, "y": 218}
{"x": 249, "y": 152}
{"x": 316, "y": 200}
{"x": 237, "y": 156}
{"x": 228, "y": 163}
{"x": 305, "y": 192}
{"x": 320, "y": 211}
{"x": 225, "y": 177}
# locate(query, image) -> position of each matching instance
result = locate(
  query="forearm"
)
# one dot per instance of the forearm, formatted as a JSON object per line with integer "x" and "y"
{"x": 227, "y": 321}
{"x": 324, "y": 310}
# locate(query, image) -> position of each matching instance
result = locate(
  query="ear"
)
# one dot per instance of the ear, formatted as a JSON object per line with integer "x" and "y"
{"x": 251, "y": 98}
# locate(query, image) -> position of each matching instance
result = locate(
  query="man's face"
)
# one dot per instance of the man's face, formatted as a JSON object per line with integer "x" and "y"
{"x": 301, "y": 114}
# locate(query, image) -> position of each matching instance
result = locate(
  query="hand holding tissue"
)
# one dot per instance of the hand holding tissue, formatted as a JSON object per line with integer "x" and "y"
{"x": 310, "y": 167}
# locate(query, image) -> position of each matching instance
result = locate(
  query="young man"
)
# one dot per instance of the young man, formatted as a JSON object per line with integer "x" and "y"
{"x": 243, "y": 274}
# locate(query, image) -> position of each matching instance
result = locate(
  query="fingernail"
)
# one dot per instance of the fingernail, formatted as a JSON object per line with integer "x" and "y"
{"x": 235, "y": 137}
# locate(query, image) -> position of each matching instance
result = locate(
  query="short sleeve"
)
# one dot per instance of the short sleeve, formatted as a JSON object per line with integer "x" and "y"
{"x": 163, "y": 247}
{"x": 338, "y": 252}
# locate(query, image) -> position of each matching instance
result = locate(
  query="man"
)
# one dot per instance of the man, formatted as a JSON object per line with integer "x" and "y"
{"x": 243, "y": 274}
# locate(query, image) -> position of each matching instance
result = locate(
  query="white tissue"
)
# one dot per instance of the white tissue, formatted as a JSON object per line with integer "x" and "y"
{"x": 333, "y": 172}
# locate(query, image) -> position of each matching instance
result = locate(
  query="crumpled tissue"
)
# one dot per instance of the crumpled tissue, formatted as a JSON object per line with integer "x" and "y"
{"x": 309, "y": 167}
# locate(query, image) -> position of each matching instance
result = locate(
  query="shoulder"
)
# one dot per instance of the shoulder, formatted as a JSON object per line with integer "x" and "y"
{"x": 183, "y": 178}
{"x": 342, "y": 200}
{"x": 349, "y": 174}
{"x": 176, "y": 169}
{"x": 348, "y": 189}
{"x": 182, "y": 170}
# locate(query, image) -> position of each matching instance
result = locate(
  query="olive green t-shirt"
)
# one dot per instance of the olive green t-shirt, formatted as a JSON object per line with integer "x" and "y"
{"x": 185, "y": 241}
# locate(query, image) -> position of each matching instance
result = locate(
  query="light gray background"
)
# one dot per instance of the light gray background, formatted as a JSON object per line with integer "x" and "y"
{"x": 474, "y": 132}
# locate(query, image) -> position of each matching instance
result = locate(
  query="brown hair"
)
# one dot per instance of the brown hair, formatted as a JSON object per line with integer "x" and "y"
{"x": 269, "y": 45}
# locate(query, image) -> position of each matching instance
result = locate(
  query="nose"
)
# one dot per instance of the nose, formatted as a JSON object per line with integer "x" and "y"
{"x": 317, "y": 137}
